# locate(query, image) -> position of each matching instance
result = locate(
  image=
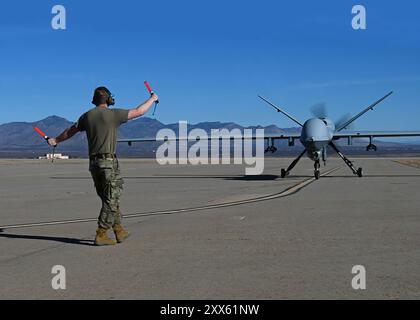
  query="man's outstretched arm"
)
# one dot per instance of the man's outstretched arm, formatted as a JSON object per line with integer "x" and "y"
{"x": 142, "y": 108}
{"x": 65, "y": 135}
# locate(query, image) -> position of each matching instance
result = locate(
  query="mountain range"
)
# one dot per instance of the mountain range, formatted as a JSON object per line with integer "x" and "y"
{"x": 19, "y": 139}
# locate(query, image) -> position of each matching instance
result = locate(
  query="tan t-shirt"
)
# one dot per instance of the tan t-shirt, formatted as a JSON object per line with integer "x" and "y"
{"x": 101, "y": 126}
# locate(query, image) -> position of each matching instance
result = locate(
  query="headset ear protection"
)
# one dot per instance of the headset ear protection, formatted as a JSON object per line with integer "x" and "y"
{"x": 110, "y": 101}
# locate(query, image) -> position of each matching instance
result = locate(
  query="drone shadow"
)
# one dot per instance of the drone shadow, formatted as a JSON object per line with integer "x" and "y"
{"x": 375, "y": 176}
{"x": 56, "y": 239}
{"x": 263, "y": 177}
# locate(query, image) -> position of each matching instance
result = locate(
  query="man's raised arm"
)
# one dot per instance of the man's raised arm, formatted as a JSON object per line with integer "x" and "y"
{"x": 142, "y": 108}
{"x": 65, "y": 135}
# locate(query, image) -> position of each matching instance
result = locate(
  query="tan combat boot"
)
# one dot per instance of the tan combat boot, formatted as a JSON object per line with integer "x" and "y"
{"x": 102, "y": 238}
{"x": 120, "y": 233}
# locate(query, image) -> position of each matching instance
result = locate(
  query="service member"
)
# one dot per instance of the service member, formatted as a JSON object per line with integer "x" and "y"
{"x": 101, "y": 125}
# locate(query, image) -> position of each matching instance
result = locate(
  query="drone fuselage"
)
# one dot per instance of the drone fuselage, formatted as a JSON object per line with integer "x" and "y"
{"x": 316, "y": 134}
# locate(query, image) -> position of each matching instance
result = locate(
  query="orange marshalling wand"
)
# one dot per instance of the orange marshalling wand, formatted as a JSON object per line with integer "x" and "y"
{"x": 42, "y": 134}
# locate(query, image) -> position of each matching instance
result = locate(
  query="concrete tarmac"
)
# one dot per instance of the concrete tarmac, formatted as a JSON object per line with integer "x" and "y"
{"x": 247, "y": 239}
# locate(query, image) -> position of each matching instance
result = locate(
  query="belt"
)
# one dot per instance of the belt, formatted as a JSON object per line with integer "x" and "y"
{"x": 102, "y": 156}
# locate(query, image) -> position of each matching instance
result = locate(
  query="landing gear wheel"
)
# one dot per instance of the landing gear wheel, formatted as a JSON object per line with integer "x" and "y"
{"x": 317, "y": 165}
{"x": 359, "y": 172}
{"x": 283, "y": 173}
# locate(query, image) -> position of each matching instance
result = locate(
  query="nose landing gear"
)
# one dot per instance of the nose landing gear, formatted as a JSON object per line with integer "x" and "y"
{"x": 317, "y": 165}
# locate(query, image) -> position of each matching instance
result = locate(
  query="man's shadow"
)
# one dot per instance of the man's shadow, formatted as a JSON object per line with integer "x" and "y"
{"x": 57, "y": 239}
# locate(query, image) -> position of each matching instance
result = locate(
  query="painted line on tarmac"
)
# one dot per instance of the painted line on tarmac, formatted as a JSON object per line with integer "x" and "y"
{"x": 287, "y": 192}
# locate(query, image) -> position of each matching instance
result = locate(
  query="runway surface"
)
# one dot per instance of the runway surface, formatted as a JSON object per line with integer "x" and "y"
{"x": 210, "y": 232}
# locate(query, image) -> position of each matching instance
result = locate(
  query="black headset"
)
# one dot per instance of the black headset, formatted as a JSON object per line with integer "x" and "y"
{"x": 110, "y": 101}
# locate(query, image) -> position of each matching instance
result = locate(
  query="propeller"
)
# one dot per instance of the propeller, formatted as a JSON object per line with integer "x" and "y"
{"x": 319, "y": 110}
{"x": 343, "y": 119}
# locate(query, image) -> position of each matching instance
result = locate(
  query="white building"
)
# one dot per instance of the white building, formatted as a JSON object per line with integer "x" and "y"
{"x": 50, "y": 156}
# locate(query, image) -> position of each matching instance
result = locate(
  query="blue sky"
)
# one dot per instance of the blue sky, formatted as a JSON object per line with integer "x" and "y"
{"x": 208, "y": 60}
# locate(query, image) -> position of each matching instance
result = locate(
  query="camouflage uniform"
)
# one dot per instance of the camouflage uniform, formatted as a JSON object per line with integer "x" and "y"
{"x": 101, "y": 126}
{"x": 109, "y": 186}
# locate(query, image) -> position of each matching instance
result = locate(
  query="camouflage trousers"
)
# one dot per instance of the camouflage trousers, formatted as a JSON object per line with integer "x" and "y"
{"x": 109, "y": 186}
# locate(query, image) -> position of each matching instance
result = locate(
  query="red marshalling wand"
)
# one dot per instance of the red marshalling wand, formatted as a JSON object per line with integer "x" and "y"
{"x": 43, "y": 135}
{"x": 151, "y": 92}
